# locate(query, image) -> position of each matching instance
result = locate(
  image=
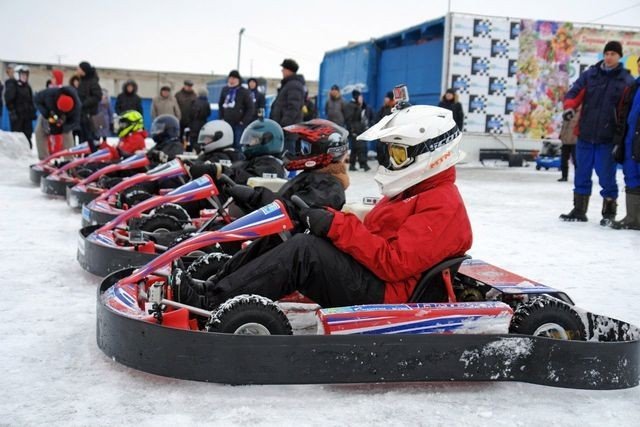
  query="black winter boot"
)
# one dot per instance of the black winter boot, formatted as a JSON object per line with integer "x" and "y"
{"x": 565, "y": 175}
{"x": 185, "y": 290}
{"x": 609, "y": 210}
{"x": 632, "y": 220}
{"x": 579, "y": 211}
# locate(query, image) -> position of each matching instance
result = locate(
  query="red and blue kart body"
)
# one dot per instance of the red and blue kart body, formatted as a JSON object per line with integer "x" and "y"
{"x": 104, "y": 208}
{"x": 470, "y": 337}
{"x": 103, "y": 249}
{"x": 50, "y": 163}
{"x": 89, "y": 188}
{"x": 57, "y": 182}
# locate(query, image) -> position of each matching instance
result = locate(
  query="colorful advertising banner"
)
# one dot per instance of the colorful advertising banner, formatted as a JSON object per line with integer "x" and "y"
{"x": 513, "y": 74}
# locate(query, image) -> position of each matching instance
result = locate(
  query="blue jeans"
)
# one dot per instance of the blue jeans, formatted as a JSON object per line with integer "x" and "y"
{"x": 237, "y": 133}
{"x": 595, "y": 156}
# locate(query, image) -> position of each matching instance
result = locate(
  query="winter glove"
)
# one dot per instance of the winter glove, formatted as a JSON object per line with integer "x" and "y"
{"x": 205, "y": 168}
{"x": 241, "y": 193}
{"x": 618, "y": 153}
{"x": 568, "y": 114}
{"x": 158, "y": 156}
{"x": 318, "y": 221}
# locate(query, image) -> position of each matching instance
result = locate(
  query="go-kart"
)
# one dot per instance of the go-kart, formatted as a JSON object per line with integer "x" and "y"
{"x": 57, "y": 182}
{"x": 493, "y": 325}
{"x": 92, "y": 186}
{"x": 130, "y": 191}
{"x": 149, "y": 228}
{"x": 54, "y": 161}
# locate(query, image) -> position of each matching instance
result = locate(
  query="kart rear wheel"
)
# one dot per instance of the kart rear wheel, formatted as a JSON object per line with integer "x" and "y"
{"x": 549, "y": 318}
{"x": 160, "y": 223}
{"x": 205, "y": 267}
{"x": 174, "y": 210}
{"x": 538, "y": 167}
{"x": 249, "y": 315}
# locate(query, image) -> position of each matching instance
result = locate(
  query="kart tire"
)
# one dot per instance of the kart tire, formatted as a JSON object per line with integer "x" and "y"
{"x": 538, "y": 167}
{"x": 82, "y": 173}
{"x": 547, "y": 318}
{"x": 133, "y": 196}
{"x": 205, "y": 267}
{"x": 249, "y": 315}
{"x": 174, "y": 210}
{"x": 160, "y": 223}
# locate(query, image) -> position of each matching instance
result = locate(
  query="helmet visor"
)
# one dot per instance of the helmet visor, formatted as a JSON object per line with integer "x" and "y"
{"x": 208, "y": 139}
{"x": 254, "y": 138}
{"x": 305, "y": 147}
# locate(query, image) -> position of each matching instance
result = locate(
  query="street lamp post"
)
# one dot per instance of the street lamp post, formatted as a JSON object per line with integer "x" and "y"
{"x": 239, "y": 47}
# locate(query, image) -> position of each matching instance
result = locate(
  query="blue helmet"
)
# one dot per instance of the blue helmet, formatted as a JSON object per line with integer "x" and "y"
{"x": 262, "y": 137}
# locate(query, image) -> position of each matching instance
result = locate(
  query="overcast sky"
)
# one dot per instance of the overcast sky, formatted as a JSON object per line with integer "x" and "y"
{"x": 202, "y": 36}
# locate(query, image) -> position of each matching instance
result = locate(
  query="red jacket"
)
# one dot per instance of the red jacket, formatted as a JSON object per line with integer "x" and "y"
{"x": 404, "y": 236}
{"x": 132, "y": 142}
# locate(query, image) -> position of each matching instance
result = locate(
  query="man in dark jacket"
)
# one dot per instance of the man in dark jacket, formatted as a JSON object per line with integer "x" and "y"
{"x": 200, "y": 112}
{"x": 358, "y": 118}
{"x": 235, "y": 106}
{"x": 90, "y": 94}
{"x": 287, "y": 107}
{"x": 258, "y": 98}
{"x": 19, "y": 100}
{"x": 128, "y": 98}
{"x": 450, "y": 102}
{"x": 599, "y": 90}
{"x": 184, "y": 98}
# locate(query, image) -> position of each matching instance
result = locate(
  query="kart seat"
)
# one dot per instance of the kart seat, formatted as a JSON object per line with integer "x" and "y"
{"x": 435, "y": 284}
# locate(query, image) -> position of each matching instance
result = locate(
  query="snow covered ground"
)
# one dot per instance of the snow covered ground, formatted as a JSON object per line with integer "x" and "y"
{"x": 53, "y": 372}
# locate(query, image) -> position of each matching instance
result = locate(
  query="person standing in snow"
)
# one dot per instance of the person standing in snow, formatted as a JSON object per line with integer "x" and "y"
{"x": 103, "y": 120}
{"x": 90, "y": 94}
{"x": 200, "y": 112}
{"x": 627, "y": 152}
{"x": 18, "y": 97}
{"x": 164, "y": 103}
{"x": 258, "y": 98}
{"x": 358, "y": 118}
{"x": 334, "y": 107}
{"x": 450, "y": 102}
{"x": 600, "y": 90}
{"x": 235, "y": 106}
{"x": 60, "y": 110}
{"x": 185, "y": 97}
{"x": 128, "y": 99}
{"x": 287, "y": 107}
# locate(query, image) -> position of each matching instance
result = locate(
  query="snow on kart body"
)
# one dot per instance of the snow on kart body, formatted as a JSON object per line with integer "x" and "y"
{"x": 49, "y": 165}
{"x": 103, "y": 208}
{"x": 473, "y": 336}
{"x": 57, "y": 182}
{"x": 88, "y": 188}
{"x": 116, "y": 245}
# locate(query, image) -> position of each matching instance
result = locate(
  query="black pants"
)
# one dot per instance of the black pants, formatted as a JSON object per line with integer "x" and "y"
{"x": 311, "y": 265}
{"x": 87, "y": 131}
{"x": 358, "y": 153}
{"x": 567, "y": 151}
{"x": 24, "y": 125}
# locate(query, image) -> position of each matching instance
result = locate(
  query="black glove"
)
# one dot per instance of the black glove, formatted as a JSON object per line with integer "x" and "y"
{"x": 158, "y": 156}
{"x": 568, "y": 114}
{"x": 318, "y": 221}
{"x": 241, "y": 193}
{"x": 618, "y": 153}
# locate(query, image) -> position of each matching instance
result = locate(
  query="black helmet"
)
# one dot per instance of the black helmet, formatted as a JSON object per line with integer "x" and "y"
{"x": 165, "y": 128}
{"x": 319, "y": 143}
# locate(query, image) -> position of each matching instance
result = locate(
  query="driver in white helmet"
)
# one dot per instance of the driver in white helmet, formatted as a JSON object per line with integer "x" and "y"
{"x": 420, "y": 222}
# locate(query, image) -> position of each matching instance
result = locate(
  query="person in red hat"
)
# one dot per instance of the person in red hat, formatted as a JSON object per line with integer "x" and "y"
{"x": 60, "y": 109}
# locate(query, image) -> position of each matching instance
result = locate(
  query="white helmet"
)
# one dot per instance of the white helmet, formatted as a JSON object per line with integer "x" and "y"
{"x": 20, "y": 69}
{"x": 422, "y": 141}
{"x": 215, "y": 135}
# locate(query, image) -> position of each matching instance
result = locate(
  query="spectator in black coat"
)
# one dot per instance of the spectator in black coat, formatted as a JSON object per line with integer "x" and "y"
{"x": 450, "y": 102}
{"x": 309, "y": 109}
{"x": 200, "y": 112}
{"x": 257, "y": 97}
{"x": 90, "y": 94}
{"x": 236, "y": 106}
{"x": 128, "y": 99}
{"x": 358, "y": 117}
{"x": 287, "y": 107}
{"x": 18, "y": 97}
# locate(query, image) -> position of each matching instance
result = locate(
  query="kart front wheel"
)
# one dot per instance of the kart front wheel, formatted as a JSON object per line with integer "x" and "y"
{"x": 544, "y": 317}
{"x": 205, "y": 267}
{"x": 249, "y": 315}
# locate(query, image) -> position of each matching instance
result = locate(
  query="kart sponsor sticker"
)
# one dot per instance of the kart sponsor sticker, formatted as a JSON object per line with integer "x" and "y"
{"x": 86, "y": 213}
